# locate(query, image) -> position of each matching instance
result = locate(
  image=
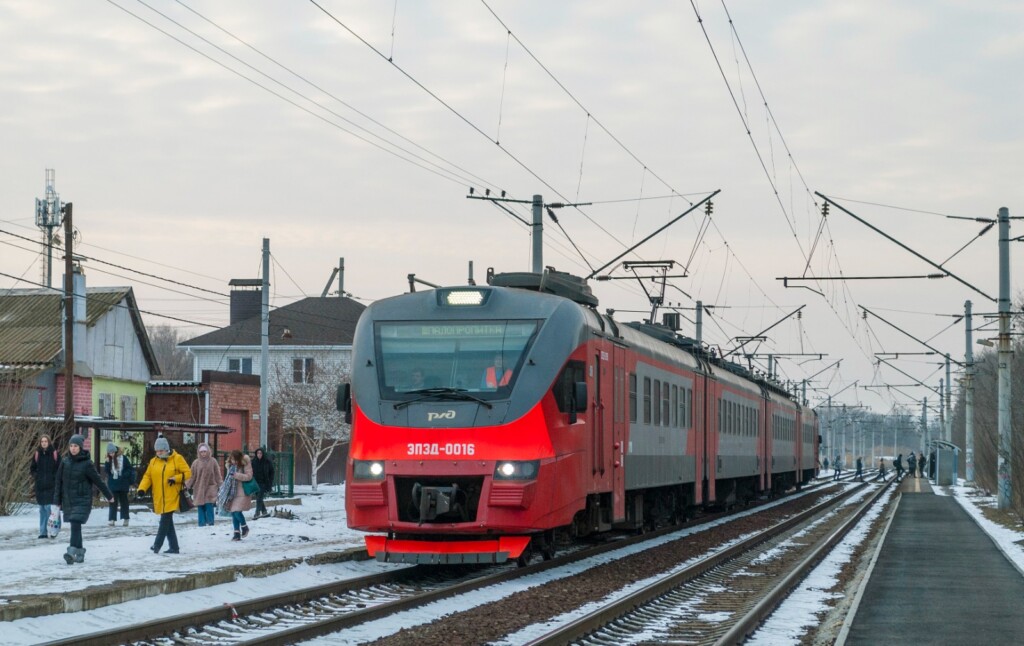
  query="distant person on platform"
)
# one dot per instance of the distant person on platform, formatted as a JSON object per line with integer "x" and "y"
{"x": 898, "y": 465}
{"x": 825, "y": 464}
{"x": 881, "y": 470}
{"x": 911, "y": 465}
{"x": 44, "y": 471}
{"x": 860, "y": 469}
{"x": 496, "y": 374}
{"x": 205, "y": 483}
{"x": 931, "y": 465}
{"x": 120, "y": 478}
{"x": 263, "y": 474}
{"x": 838, "y": 467}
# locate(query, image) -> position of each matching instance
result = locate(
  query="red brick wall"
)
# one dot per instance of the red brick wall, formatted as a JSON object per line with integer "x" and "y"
{"x": 81, "y": 395}
{"x": 227, "y": 392}
{"x": 243, "y": 399}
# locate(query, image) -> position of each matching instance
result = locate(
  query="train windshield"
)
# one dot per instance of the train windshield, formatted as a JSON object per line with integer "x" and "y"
{"x": 417, "y": 358}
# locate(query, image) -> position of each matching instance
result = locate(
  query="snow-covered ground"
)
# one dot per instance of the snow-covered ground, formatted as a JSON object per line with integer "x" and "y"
{"x": 30, "y": 565}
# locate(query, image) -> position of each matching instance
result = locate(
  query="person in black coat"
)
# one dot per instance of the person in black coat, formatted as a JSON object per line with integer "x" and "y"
{"x": 263, "y": 474}
{"x": 120, "y": 478}
{"x": 44, "y": 471}
{"x": 76, "y": 476}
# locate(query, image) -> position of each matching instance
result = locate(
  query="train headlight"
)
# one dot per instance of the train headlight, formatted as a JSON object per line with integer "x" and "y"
{"x": 516, "y": 470}
{"x": 368, "y": 469}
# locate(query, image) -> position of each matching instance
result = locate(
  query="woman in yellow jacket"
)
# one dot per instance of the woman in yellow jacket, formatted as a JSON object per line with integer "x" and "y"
{"x": 165, "y": 475}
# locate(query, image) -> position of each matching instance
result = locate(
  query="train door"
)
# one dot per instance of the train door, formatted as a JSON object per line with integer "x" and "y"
{"x": 599, "y": 439}
{"x": 619, "y": 403}
{"x": 710, "y": 431}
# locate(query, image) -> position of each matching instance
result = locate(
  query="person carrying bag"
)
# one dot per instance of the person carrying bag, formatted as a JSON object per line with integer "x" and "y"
{"x": 165, "y": 476}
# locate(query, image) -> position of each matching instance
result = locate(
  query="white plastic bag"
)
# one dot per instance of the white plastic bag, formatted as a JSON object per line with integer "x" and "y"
{"x": 53, "y": 524}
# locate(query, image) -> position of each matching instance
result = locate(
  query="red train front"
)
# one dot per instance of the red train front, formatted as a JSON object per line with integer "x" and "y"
{"x": 490, "y": 421}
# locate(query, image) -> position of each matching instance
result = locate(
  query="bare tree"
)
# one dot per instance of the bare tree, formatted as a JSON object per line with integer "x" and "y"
{"x": 308, "y": 411}
{"x": 174, "y": 362}
{"x": 18, "y": 435}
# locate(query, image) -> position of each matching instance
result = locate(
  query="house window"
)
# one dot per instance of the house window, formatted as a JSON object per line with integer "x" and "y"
{"x": 105, "y": 405}
{"x": 302, "y": 370}
{"x": 240, "y": 365}
{"x": 129, "y": 408}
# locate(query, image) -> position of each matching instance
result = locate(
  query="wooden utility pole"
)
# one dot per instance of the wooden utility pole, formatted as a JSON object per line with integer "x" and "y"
{"x": 69, "y": 328}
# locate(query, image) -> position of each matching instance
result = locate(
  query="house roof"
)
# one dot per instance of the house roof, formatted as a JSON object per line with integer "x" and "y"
{"x": 310, "y": 321}
{"x": 31, "y": 327}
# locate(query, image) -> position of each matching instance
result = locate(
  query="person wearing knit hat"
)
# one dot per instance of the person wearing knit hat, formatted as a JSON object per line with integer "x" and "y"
{"x": 76, "y": 476}
{"x": 120, "y": 478}
{"x": 165, "y": 476}
{"x": 205, "y": 483}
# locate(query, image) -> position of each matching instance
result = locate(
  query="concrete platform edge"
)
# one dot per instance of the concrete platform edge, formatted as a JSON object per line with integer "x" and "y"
{"x": 122, "y": 591}
{"x": 848, "y": 622}
{"x": 963, "y": 504}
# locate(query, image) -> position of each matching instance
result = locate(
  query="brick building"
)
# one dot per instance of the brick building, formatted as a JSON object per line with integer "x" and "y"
{"x": 226, "y": 398}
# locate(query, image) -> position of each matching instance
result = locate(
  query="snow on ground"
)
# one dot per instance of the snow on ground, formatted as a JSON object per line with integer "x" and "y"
{"x": 32, "y": 565}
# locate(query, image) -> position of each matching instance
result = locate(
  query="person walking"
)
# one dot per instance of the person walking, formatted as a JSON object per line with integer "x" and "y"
{"x": 911, "y": 465}
{"x": 165, "y": 476}
{"x": 263, "y": 474}
{"x": 860, "y": 469}
{"x": 898, "y": 465}
{"x": 120, "y": 478}
{"x": 72, "y": 490}
{"x": 232, "y": 496}
{"x": 838, "y": 467}
{"x": 204, "y": 483}
{"x": 881, "y": 470}
{"x": 44, "y": 471}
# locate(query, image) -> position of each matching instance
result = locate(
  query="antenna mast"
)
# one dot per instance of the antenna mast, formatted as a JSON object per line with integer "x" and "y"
{"x": 49, "y": 216}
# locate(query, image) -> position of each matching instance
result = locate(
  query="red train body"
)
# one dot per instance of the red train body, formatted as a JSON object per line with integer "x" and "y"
{"x": 601, "y": 425}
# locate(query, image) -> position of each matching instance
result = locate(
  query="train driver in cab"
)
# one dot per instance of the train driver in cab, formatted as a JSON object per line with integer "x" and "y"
{"x": 416, "y": 380}
{"x": 496, "y": 374}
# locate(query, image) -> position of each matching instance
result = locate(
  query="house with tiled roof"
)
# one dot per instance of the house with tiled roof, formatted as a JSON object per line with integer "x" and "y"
{"x": 312, "y": 334}
{"x": 113, "y": 356}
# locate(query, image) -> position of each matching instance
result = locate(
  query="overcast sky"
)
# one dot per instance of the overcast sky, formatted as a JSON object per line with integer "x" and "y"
{"x": 181, "y": 151}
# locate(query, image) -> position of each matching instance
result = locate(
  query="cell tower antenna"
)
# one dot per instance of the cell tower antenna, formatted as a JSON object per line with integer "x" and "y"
{"x": 49, "y": 216}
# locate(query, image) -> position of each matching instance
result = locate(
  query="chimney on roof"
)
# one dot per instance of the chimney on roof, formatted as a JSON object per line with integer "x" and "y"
{"x": 246, "y": 298}
{"x": 79, "y": 309}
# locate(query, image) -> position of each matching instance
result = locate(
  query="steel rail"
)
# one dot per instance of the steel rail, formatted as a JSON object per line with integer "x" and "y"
{"x": 578, "y": 628}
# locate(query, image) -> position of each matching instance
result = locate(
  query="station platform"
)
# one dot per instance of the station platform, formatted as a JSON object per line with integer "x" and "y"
{"x": 938, "y": 579}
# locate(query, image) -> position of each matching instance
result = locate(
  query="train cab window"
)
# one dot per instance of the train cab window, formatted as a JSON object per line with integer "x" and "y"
{"x": 632, "y": 396}
{"x": 453, "y": 356}
{"x": 573, "y": 372}
{"x": 647, "y": 400}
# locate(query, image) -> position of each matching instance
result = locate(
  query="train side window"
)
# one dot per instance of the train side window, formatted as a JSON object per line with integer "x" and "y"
{"x": 657, "y": 402}
{"x": 665, "y": 404}
{"x": 632, "y": 396}
{"x": 647, "y": 400}
{"x": 675, "y": 406}
{"x": 688, "y": 409}
{"x": 563, "y": 388}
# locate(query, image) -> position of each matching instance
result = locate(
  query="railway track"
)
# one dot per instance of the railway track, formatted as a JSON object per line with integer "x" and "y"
{"x": 291, "y": 617}
{"x": 724, "y": 598}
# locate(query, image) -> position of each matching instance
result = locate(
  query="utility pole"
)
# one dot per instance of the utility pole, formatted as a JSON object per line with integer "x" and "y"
{"x": 538, "y": 234}
{"x": 942, "y": 412}
{"x": 69, "y": 328}
{"x": 924, "y": 424}
{"x": 265, "y": 342}
{"x": 1005, "y": 356}
{"x": 969, "y": 396}
{"x": 948, "y": 431}
{"x": 700, "y": 323}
